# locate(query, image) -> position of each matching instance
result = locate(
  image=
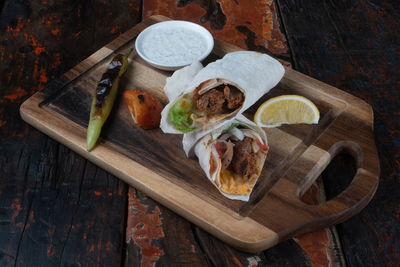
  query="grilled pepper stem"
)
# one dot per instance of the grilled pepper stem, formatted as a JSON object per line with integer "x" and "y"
{"x": 104, "y": 97}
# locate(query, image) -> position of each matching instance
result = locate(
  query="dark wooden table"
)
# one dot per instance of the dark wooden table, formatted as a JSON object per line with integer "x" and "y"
{"x": 56, "y": 208}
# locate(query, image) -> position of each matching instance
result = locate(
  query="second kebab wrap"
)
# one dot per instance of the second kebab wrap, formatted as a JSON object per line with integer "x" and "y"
{"x": 219, "y": 91}
{"x": 232, "y": 156}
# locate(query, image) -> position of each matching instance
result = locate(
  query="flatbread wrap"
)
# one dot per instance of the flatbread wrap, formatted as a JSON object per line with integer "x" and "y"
{"x": 232, "y": 156}
{"x": 219, "y": 91}
{"x": 180, "y": 79}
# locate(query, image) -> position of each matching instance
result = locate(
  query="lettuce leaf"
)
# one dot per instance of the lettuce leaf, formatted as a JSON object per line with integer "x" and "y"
{"x": 179, "y": 115}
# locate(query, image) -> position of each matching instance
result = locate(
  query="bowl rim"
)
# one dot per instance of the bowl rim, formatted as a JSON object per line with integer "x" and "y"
{"x": 172, "y": 24}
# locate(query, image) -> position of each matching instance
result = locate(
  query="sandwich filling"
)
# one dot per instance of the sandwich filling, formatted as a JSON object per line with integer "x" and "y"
{"x": 237, "y": 157}
{"x": 211, "y": 100}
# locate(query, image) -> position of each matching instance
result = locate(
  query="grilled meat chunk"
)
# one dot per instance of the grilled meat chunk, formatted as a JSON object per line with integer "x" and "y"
{"x": 244, "y": 161}
{"x": 233, "y": 97}
{"x": 212, "y": 101}
{"x": 222, "y": 98}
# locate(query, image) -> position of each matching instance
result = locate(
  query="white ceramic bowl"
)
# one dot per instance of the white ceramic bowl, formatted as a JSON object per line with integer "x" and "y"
{"x": 171, "y": 45}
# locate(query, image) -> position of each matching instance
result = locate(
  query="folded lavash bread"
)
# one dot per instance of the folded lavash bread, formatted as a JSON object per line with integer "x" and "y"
{"x": 232, "y": 156}
{"x": 180, "y": 80}
{"x": 217, "y": 92}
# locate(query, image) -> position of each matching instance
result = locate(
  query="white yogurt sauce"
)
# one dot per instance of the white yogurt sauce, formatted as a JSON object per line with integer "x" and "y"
{"x": 175, "y": 46}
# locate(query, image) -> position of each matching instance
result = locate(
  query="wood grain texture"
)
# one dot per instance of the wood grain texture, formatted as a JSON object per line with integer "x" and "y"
{"x": 353, "y": 45}
{"x": 323, "y": 246}
{"x": 157, "y": 235}
{"x": 292, "y": 162}
{"x": 56, "y": 208}
{"x": 46, "y": 217}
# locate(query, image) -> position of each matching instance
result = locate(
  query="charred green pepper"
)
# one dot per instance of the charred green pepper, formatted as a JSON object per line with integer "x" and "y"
{"x": 104, "y": 97}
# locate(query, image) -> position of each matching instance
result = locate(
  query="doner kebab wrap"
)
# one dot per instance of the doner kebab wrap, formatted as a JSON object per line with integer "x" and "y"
{"x": 201, "y": 98}
{"x": 232, "y": 156}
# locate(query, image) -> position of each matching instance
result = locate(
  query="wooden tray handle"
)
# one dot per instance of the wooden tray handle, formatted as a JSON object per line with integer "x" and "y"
{"x": 359, "y": 191}
{"x": 354, "y": 198}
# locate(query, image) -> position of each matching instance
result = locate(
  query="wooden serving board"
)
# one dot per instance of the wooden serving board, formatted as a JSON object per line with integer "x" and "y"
{"x": 155, "y": 163}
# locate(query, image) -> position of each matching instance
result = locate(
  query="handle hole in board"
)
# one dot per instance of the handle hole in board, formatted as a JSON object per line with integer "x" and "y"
{"x": 335, "y": 178}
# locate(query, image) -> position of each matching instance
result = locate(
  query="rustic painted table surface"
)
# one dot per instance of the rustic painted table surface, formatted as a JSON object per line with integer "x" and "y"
{"x": 56, "y": 208}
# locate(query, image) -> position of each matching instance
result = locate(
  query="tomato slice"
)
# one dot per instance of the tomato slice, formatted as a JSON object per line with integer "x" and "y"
{"x": 221, "y": 149}
{"x": 144, "y": 108}
{"x": 262, "y": 145}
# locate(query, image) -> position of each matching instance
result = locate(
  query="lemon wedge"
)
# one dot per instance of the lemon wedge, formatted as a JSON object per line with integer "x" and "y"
{"x": 286, "y": 109}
